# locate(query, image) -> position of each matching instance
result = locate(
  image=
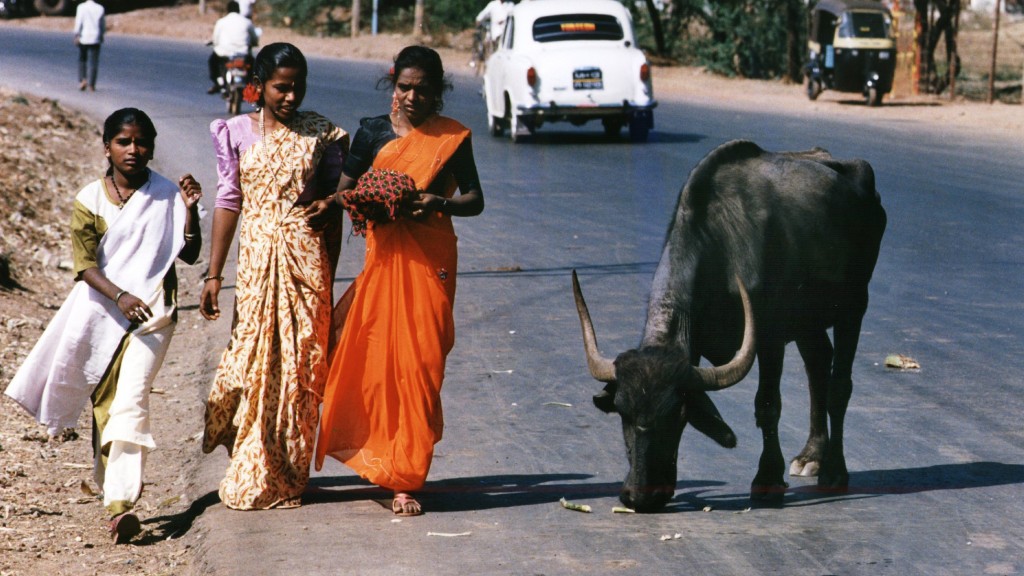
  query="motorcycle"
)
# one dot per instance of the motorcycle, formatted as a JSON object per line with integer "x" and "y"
{"x": 235, "y": 75}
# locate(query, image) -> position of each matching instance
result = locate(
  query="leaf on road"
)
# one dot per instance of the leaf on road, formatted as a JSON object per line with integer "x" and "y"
{"x": 901, "y": 362}
{"x": 573, "y": 506}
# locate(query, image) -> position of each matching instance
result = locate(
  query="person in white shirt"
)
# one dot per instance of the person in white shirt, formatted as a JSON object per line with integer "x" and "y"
{"x": 90, "y": 25}
{"x": 496, "y": 12}
{"x": 233, "y": 34}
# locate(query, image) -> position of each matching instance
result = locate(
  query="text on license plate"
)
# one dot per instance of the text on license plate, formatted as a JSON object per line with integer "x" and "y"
{"x": 587, "y": 79}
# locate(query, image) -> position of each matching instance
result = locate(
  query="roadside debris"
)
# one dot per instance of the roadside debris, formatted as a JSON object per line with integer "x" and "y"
{"x": 622, "y": 510}
{"x": 449, "y": 534}
{"x": 572, "y": 506}
{"x": 901, "y": 362}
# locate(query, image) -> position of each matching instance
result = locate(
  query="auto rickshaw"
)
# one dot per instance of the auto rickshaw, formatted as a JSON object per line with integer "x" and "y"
{"x": 852, "y": 49}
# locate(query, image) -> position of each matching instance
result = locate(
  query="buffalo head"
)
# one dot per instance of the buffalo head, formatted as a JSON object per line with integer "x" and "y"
{"x": 657, "y": 391}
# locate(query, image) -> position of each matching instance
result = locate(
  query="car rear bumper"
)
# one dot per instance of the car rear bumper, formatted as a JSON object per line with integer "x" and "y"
{"x": 554, "y": 111}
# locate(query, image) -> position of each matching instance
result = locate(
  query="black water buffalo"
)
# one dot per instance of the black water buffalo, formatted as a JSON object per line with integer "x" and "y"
{"x": 801, "y": 232}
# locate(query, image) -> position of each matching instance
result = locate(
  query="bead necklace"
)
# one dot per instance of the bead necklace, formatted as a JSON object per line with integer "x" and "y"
{"x": 122, "y": 199}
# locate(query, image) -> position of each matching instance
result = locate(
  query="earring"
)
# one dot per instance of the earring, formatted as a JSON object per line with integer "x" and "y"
{"x": 394, "y": 104}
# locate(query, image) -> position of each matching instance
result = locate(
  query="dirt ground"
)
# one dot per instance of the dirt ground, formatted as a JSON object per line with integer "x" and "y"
{"x": 50, "y": 519}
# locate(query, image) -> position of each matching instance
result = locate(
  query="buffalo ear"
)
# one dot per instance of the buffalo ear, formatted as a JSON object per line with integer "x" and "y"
{"x": 605, "y": 399}
{"x": 702, "y": 414}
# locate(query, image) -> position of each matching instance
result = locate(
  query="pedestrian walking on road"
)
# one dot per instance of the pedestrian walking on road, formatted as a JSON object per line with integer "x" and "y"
{"x": 109, "y": 338}
{"x": 271, "y": 164}
{"x": 382, "y": 407}
{"x": 90, "y": 26}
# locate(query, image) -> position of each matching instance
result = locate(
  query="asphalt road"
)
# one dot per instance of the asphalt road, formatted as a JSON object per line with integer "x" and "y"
{"x": 936, "y": 456}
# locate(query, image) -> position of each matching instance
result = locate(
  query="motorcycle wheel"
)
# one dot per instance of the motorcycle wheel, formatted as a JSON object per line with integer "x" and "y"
{"x": 235, "y": 102}
{"x": 813, "y": 88}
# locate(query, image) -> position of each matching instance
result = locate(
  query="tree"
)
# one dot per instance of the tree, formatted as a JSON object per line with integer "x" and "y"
{"x": 417, "y": 19}
{"x": 751, "y": 38}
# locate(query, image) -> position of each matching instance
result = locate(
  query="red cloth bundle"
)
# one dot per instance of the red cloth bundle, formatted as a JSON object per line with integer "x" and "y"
{"x": 378, "y": 197}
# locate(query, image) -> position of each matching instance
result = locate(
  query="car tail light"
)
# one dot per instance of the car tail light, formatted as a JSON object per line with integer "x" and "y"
{"x": 531, "y": 77}
{"x": 645, "y": 72}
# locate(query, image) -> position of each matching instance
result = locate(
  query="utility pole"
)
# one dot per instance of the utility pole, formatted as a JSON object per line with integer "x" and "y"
{"x": 354, "y": 23}
{"x": 995, "y": 49}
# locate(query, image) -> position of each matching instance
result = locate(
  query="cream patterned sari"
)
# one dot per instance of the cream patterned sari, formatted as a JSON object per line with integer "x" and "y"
{"x": 264, "y": 402}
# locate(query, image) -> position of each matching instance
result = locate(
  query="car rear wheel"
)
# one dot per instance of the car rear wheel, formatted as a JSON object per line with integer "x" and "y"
{"x": 495, "y": 125}
{"x": 53, "y": 7}
{"x": 612, "y": 127}
{"x": 639, "y": 128}
{"x": 513, "y": 127}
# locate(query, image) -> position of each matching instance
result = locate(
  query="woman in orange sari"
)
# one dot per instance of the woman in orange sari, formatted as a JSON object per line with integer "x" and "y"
{"x": 382, "y": 405}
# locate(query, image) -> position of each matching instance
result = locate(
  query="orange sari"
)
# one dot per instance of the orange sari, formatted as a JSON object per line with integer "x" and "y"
{"x": 382, "y": 405}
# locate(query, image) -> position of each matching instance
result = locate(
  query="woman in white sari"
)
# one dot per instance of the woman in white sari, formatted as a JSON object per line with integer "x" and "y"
{"x": 110, "y": 336}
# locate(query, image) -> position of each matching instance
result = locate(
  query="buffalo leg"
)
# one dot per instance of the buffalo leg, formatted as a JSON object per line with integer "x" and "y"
{"x": 816, "y": 351}
{"x": 768, "y": 485}
{"x": 833, "y": 473}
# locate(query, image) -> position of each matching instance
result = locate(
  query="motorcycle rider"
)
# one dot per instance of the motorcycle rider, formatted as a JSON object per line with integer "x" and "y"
{"x": 233, "y": 34}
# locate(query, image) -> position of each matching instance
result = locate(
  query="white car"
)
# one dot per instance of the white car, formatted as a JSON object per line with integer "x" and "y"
{"x": 571, "y": 61}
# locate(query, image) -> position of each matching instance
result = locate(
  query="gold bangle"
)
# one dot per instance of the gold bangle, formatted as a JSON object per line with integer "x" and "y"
{"x": 217, "y": 278}
{"x": 190, "y": 236}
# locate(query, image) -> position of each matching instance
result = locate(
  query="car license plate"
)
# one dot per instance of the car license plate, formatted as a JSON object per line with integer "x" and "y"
{"x": 587, "y": 79}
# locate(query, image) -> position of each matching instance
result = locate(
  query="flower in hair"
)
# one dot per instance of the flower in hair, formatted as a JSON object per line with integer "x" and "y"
{"x": 250, "y": 94}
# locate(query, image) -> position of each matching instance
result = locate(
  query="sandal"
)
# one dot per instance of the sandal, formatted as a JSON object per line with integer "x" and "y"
{"x": 124, "y": 527}
{"x": 405, "y": 505}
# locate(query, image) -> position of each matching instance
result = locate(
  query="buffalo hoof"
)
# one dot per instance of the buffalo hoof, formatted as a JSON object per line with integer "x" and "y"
{"x": 805, "y": 468}
{"x": 767, "y": 494}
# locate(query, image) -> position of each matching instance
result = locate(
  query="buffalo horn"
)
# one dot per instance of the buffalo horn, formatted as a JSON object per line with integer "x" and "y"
{"x": 601, "y": 368}
{"x": 721, "y": 377}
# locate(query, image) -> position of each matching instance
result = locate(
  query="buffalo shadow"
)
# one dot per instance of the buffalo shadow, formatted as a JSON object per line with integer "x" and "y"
{"x": 869, "y": 484}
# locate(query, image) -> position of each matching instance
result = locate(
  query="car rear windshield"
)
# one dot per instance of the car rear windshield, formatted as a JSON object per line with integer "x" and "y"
{"x": 576, "y": 27}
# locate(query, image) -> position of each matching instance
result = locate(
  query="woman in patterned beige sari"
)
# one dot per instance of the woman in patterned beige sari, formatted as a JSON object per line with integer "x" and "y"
{"x": 272, "y": 164}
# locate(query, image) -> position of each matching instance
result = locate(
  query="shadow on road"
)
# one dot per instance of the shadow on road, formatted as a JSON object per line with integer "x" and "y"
{"x": 467, "y": 494}
{"x": 585, "y": 270}
{"x": 170, "y": 527}
{"x": 875, "y": 483}
{"x": 554, "y": 138}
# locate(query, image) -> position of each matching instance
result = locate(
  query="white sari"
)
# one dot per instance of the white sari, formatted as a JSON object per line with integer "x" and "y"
{"x": 140, "y": 245}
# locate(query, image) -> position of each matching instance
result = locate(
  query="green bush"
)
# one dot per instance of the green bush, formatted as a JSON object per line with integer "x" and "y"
{"x": 313, "y": 16}
{"x": 732, "y": 37}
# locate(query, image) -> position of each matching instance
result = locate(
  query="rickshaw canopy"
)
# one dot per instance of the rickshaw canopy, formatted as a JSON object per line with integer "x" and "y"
{"x": 837, "y": 7}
